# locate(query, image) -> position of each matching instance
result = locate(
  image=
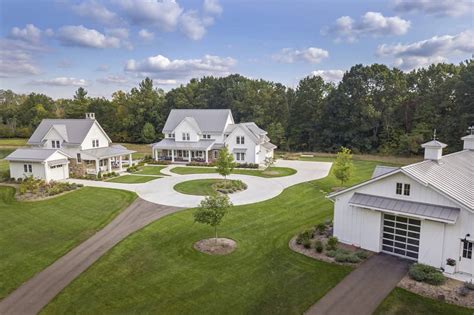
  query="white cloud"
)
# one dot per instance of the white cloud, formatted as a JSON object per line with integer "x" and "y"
{"x": 370, "y": 24}
{"x": 96, "y": 11}
{"x": 18, "y": 57}
{"x": 61, "y": 81}
{"x": 311, "y": 54}
{"x": 436, "y": 7}
{"x": 118, "y": 32}
{"x": 146, "y": 34}
{"x": 163, "y": 68}
{"x": 212, "y": 7}
{"x": 192, "y": 25}
{"x": 162, "y": 14}
{"x": 30, "y": 33}
{"x": 81, "y": 36}
{"x": 329, "y": 75}
{"x": 435, "y": 49}
{"x": 166, "y": 82}
{"x": 113, "y": 79}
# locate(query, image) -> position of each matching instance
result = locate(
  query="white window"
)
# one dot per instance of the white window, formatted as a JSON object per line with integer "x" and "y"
{"x": 206, "y": 136}
{"x": 467, "y": 249}
{"x": 169, "y": 135}
{"x": 184, "y": 136}
{"x": 239, "y": 156}
{"x": 55, "y": 144}
{"x": 95, "y": 143}
{"x": 240, "y": 140}
{"x": 57, "y": 166}
{"x": 28, "y": 168}
{"x": 403, "y": 189}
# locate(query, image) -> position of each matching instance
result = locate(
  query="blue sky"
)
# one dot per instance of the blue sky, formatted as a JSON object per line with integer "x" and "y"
{"x": 56, "y": 46}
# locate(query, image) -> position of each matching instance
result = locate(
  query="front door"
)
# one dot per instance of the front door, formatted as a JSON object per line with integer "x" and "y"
{"x": 465, "y": 257}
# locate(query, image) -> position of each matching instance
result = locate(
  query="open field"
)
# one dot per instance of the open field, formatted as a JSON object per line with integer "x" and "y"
{"x": 272, "y": 172}
{"x": 35, "y": 234}
{"x": 13, "y": 142}
{"x": 133, "y": 179}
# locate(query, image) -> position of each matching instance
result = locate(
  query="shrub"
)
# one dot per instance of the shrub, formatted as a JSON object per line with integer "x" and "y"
{"x": 160, "y": 162}
{"x": 450, "y": 262}
{"x": 321, "y": 228}
{"x": 362, "y": 254}
{"x": 306, "y": 235}
{"x": 469, "y": 285}
{"x": 331, "y": 253}
{"x": 425, "y": 273}
{"x": 307, "y": 243}
{"x": 332, "y": 243}
{"x": 335, "y": 252}
{"x": 229, "y": 186}
{"x": 204, "y": 164}
{"x": 247, "y": 165}
{"x": 133, "y": 169}
{"x": 346, "y": 258}
{"x": 318, "y": 245}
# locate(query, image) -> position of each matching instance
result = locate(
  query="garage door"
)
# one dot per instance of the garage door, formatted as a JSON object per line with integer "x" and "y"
{"x": 401, "y": 236}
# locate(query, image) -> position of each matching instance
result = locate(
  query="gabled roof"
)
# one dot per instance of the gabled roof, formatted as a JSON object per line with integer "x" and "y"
{"x": 192, "y": 122}
{"x": 61, "y": 130}
{"x": 106, "y": 152}
{"x": 33, "y": 154}
{"x": 452, "y": 176}
{"x": 74, "y": 129}
{"x": 168, "y": 144}
{"x": 258, "y": 135}
{"x": 208, "y": 120}
{"x": 382, "y": 170}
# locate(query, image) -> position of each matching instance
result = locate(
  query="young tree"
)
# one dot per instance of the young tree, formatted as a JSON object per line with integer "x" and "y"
{"x": 269, "y": 161}
{"x": 343, "y": 166}
{"x": 225, "y": 162}
{"x": 212, "y": 210}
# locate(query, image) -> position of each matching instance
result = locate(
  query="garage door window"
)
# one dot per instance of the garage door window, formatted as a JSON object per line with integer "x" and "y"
{"x": 401, "y": 236}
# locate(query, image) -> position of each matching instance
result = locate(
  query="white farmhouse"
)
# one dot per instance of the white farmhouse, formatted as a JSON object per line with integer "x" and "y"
{"x": 199, "y": 134}
{"x": 61, "y": 146}
{"x": 423, "y": 211}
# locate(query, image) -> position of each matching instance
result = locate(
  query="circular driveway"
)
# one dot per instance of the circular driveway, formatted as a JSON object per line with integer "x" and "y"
{"x": 161, "y": 190}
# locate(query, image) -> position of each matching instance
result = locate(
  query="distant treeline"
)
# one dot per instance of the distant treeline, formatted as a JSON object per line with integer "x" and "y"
{"x": 374, "y": 109}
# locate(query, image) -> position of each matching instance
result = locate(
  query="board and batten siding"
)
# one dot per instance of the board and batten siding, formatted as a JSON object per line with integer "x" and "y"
{"x": 95, "y": 133}
{"x": 17, "y": 170}
{"x": 249, "y": 145}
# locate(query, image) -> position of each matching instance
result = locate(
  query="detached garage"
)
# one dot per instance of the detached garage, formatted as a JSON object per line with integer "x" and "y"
{"x": 46, "y": 164}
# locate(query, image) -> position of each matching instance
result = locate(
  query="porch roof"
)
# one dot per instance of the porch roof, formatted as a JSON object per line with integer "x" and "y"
{"x": 107, "y": 152}
{"x": 411, "y": 208}
{"x": 171, "y": 144}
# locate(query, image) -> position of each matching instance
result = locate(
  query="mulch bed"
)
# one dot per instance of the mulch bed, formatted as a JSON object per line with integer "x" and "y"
{"x": 213, "y": 246}
{"x": 447, "y": 292}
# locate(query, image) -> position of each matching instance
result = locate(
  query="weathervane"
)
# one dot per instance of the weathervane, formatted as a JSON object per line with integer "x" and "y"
{"x": 434, "y": 135}
{"x": 471, "y": 130}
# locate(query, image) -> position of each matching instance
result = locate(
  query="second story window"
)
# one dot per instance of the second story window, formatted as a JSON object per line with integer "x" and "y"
{"x": 403, "y": 189}
{"x": 406, "y": 189}
{"x": 240, "y": 140}
{"x": 95, "y": 143}
{"x": 185, "y": 136}
{"x": 55, "y": 144}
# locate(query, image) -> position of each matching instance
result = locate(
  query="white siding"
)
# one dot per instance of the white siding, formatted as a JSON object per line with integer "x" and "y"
{"x": 431, "y": 243}
{"x": 185, "y": 127}
{"x": 50, "y": 136}
{"x": 17, "y": 170}
{"x": 95, "y": 133}
{"x": 249, "y": 146}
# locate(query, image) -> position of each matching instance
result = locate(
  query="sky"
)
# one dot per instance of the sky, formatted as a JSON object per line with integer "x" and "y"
{"x": 57, "y": 46}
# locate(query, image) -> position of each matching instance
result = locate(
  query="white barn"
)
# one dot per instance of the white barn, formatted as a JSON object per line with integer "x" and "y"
{"x": 423, "y": 211}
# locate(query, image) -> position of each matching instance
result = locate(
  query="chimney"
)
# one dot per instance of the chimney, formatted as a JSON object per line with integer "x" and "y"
{"x": 433, "y": 149}
{"x": 90, "y": 115}
{"x": 469, "y": 140}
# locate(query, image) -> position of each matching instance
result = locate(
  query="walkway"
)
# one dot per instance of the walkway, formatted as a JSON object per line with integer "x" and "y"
{"x": 34, "y": 294}
{"x": 362, "y": 291}
{"x": 161, "y": 190}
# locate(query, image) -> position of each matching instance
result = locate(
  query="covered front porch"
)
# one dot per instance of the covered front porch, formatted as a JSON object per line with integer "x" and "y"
{"x": 107, "y": 160}
{"x": 204, "y": 151}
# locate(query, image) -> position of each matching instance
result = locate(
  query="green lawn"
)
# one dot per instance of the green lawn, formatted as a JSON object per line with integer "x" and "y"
{"x": 151, "y": 170}
{"x": 200, "y": 187}
{"x": 272, "y": 172}
{"x": 35, "y": 234}
{"x": 3, "y": 165}
{"x": 12, "y": 142}
{"x": 403, "y": 302}
{"x": 133, "y": 179}
{"x": 156, "y": 270}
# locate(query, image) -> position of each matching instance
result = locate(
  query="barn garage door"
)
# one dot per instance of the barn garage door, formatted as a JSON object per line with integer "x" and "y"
{"x": 401, "y": 236}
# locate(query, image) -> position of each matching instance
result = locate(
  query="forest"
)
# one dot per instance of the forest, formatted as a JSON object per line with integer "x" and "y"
{"x": 373, "y": 109}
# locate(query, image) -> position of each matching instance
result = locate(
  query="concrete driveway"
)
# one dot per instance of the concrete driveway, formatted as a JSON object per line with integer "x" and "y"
{"x": 160, "y": 191}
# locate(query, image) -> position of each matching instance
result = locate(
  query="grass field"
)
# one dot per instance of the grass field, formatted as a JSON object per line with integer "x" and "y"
{"x": 402, "y": 302}
{"x": 272, "y": 172}
{"x": 142, "y": 149}
{"x": 263, "y": 276}
{"x": 35, "y": 234}
{"x": 151, "y": 170}
{"x": 133, "y": 179}
{"x": 199, "y": 187}
{"x": 12, "y": 142}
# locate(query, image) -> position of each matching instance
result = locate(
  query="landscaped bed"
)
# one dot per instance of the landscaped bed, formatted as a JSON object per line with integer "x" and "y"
{"x": 216, "y": 246}
{"x": 35, "y": 234}
{"x": 271, "y": 172}
{"x": 206, "y": 187}
{"x": 133, "y": 179}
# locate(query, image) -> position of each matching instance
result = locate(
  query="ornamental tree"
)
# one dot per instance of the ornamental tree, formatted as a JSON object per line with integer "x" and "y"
{"x": 212, "y": 210}
{"x": 225, "y": 162}
{"x": 343, "y": 166}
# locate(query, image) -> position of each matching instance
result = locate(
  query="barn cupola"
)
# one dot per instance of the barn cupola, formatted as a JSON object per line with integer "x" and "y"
{"x": 433, "y": 149}
{"x": 469, "y": 140}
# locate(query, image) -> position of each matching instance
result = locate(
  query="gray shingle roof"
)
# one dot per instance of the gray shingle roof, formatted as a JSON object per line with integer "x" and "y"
{"x": 382, "y": 170}
{"x": 75, "y": 129}
{"x": 208, "y": 120}
{"x": 168, "y": 144}
{"x": 452, "y": 175}
{"x": 106, "y": 152}
{"x": 416, "y": 209}
{"x": 31, "y": 154}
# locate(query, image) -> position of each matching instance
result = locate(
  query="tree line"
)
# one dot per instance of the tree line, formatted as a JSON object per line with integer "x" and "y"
{"x": 373, "y": 109}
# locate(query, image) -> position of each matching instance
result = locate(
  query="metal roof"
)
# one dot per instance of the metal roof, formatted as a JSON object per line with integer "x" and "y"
{"x": 106, "y": 152}
{"x": 382, "y": 170}
{"x": 168, "y": 144}
{"x": 410, "y": 208}
{"x": 434, "y": 144}
{"x": 453, "y": 175}
{"x": 269, "y": 145}
{"x": 75, "y": 129}
{"x": 208, "y": 120}
{"x": 32, "y": 154}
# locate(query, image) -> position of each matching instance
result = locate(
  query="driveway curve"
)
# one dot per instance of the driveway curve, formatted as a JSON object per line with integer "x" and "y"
{"x": 161, "y": 191}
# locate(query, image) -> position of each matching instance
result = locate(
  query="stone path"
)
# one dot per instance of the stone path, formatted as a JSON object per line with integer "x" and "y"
{"x": 37, "y": 292}
{"x": 362, "y": 291}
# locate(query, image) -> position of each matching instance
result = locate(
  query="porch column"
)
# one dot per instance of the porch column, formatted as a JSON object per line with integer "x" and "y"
{"x": 172, "y": 155}
{"x": 153, "y": 153}
{"x": 189, "y": 155}
{"x": 97, "y": 168}
{"x": 109, "y": 165}
{"x": 207, "y": 156}
{"x": 156, "y": 154}
{"x": 120, "y": 164}
{"x": 130, "y": 162}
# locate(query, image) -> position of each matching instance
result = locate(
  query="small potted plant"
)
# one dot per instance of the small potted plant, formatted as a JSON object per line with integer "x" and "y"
{"x": 450, "y": 266}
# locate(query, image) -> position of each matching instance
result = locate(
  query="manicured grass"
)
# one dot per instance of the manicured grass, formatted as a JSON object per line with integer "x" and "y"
{"x": 156, "y": 270}
{"x": 272, "y": 172}
{"x": 3, "y": 165}
{"x": 5, "y": 151}
{"x": 151, "y": 170}
{"x": 200, "y": 187}
{"x": 35, "y": 234}
{"x": 133, "y": 179}
{"x": 403, "y": 302}
{"x": 12, "y": 142}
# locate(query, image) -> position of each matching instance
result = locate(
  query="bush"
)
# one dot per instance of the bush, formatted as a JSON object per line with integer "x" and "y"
{"x": 247, "y": 165}
{"x": 335, "y": 252}
{"x": 204, "y": 164}
{"x": 160, "y": 162}
{"x": 306, "y": 235}
{"x": 425, "y": 273}
{"x": 362, "y": 254}
{"x": 331, "y": 253}
{"x": 318, "y": 245}
{"x": 229, "y": 186}
{"x": 332, "y": 243}
{"x": 133, "y": 169}
{"x": 346, "y": 258}
{"x": 307, "y": 243}
{"x": 469, "y": 285}
{"x": 321, "y": 228}
{"x": 450, "y": 262}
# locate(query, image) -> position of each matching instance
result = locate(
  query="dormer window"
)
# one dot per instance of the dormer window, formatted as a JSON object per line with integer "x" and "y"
{"x": 403, "y": 189}
{"x": 95, "y": 143}
{"x": 56, "y": 144}
{"x": 206, "y": 136}
{"x": 240, "y": 140}
{"x": 185, "y": 136}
